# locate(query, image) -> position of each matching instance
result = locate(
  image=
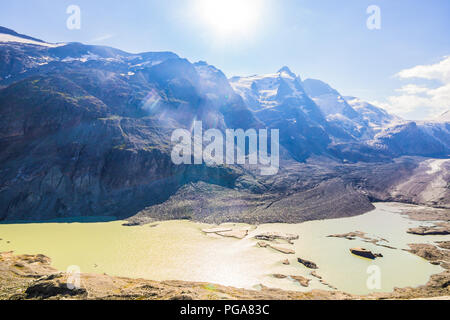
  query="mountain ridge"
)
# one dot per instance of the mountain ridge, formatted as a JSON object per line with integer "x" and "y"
{"x": 5, "y": 30}
{"x": 85, "y": 131}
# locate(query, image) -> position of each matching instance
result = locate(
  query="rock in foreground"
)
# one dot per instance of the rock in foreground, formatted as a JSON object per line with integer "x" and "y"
{"x": 272, "y": 236}
{"x": 307, "y": 263}
{"x": 284, "y": 250}
{"x": 440, "y": 229}
{"x": 365, "y": 253}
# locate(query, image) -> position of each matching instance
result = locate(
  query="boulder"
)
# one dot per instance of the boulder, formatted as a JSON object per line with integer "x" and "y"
{"x": 365, "y": 253}
{"x": 282, "y": 249}
{"x": 272, "y": 236}
{"x": 307, "y": 263}
{"x": 304, "y": 282}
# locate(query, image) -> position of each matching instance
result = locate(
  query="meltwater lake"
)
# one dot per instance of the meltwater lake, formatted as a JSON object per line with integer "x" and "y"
{"x": 179, "y": 250}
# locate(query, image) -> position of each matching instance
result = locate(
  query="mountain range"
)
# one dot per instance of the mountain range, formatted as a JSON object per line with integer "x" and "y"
{"x": 85, "y": 131}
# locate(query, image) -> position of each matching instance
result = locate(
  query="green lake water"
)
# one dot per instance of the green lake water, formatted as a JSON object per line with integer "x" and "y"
{"x": 179, "y": 250}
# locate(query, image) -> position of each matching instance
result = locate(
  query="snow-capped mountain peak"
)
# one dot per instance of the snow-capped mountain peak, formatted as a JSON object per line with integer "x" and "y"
{"x": 287, "y": 73}
{"x": 266, "y": 91}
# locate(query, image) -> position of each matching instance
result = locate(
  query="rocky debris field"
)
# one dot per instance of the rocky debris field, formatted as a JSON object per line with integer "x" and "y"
{"x": 439, "y": 229}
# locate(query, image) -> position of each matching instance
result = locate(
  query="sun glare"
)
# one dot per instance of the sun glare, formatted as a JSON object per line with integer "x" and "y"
{"x": 230, "y": 17}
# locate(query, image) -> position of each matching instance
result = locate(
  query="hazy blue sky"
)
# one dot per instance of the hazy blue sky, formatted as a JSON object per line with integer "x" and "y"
{"x": 324, "y": 39}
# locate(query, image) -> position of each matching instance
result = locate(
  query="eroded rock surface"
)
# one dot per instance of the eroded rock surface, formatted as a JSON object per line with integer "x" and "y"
{"x": 437, "y": 229}
{"x": 430, "y": 253}
{"x": 444, "y": 244}
{"x": 363, "y": 236}
{"x": 304, "y": 282}
{"x": 272, "y": 236}
{"x": 278, "y": 248}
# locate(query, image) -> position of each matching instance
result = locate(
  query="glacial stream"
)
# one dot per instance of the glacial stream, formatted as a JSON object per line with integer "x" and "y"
{"x": 179, "y": 250}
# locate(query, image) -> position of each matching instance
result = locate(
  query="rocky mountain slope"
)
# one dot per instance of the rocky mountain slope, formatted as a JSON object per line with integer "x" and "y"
{"x": 445, "y": 117}
{"x": 345, "y": 128}
{"x": 85, "y": 131}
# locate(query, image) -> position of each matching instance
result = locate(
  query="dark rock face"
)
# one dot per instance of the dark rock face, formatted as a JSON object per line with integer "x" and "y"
{"x": 89, "y": 139}
{"x": 66, "y": 157}
{"x": 48, "y": 289}
{"x": 307, "y": 263}
{"x": 365, "y": 253}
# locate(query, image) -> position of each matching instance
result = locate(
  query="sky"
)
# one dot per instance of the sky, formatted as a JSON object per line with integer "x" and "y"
{"x": 403, "y": 66}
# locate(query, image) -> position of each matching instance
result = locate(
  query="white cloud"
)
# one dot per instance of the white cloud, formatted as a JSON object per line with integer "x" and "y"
{"x": 439, "y": 71}
{"x": 102, "y": 38}
{"x": 412, "y": 89}
{"x": 413, "y": 99}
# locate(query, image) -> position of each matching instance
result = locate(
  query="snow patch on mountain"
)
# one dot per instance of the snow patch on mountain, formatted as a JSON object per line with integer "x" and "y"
{"x": 374, "y": 115}
{"x": 266, "y": 91}
{"x": 83, "y": 58}
{"x": 10, "y": 38}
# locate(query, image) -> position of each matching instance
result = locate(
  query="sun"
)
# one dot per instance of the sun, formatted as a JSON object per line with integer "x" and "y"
{"x": 230, "y": 17}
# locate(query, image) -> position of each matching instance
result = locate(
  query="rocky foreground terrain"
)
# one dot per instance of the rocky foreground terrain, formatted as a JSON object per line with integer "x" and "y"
{"x": 32, "y": 277}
